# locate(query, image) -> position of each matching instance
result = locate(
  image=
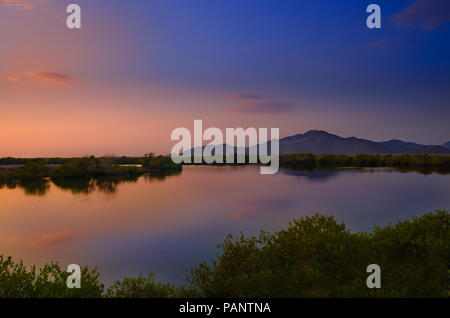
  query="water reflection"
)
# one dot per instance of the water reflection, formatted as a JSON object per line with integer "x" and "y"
{"x": 169, "y": 223}
{"x": 88, "y": 185}
{"x": 109, "y": 185}
{"x": 311, "y": 175}
{"x": 160, "y": 176}
{"x": 30, "y": 187}
{"x": 76, "y": 186}
{"x": 322, "y": 175}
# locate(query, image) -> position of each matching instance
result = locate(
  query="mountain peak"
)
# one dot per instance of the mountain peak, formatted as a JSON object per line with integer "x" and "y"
{"x": 316, "y": 132}
{"x": 320, "y": 142}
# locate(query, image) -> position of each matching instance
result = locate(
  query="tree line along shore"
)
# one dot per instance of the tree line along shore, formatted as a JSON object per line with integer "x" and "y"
{"x": 366, "y": 160}
{"x": 17, "y": 169}
{"x": 12, "y": 169}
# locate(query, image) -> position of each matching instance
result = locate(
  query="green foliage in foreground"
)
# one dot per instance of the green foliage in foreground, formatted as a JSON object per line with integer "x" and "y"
{"x": 365, "y": 160}
{"x": 314, "y": 257}
{"x": 317, "y": 257}
{"x": 18, "y": 281}
{"x": 141, "y": 287}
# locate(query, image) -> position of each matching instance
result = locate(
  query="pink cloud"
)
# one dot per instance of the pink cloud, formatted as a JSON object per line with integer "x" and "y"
{"x": 263, "y": 107}
{"x": 51, "y": 78}
{"x": 19, "y": 4}
{"x": 15, "y": 239}
{"x": 241, "y": 96}
{"x": 45, "y": 239}
{"x": 42, "y": 78}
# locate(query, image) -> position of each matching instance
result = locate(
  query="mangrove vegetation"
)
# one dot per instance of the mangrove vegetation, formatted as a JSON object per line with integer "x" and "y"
{"x": 26, "y": 170}
{"x": 315, "y": 256}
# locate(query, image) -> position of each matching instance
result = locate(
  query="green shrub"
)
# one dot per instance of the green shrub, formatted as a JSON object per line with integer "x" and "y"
{"x": 314, "y": 257}
{"x": 32, "y": 170}
{"x": 75, "y": 168}
{"x": 17, "y": 281}
{"x": 414, "y": 256}
{"x": 317, "y": 257}
{"x": 90, "y": 167}
{"x": 141, "y": 287}
{"x": 161, "y": 163}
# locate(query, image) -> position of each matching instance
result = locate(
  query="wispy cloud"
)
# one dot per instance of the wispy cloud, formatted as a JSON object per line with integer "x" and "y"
{"x": 14, "y": 78}
{"x": 254, "y": 104}
{"x": 241, "y": 96}
{"x": 15, "y": 239}
{"x": 19, "y": 4}
{"x": 263, "y": 107}
{"x": 42, "y": 78}
{"x": 425, "y": 14}
{"x": 45, "y": 239}
{"x": 51, "y": 78}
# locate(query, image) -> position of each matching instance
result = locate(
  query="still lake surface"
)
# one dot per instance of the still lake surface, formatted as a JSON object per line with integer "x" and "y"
{"x": 169, "y": 224}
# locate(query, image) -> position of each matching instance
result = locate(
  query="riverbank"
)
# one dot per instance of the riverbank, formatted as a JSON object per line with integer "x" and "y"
{"x": 365, "y": 160}
{"x": 38, "y": 169}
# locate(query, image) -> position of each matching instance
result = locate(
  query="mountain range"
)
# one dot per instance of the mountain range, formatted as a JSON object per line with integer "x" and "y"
{"x": 322, "y": 142}
{"x": 319, "y": 141}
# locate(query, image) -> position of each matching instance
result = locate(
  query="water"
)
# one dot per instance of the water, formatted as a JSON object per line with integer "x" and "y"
{"x": 169, "y": 224}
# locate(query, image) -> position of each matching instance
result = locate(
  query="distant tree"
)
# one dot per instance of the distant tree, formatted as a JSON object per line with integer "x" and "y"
{"x": 107, "y": 161}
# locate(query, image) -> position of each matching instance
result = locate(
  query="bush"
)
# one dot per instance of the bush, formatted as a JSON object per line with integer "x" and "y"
{"x": 75, "y": 168}
{"x": 141, "y": 287}
{"x": 314, "y": 257}
{"x": 414, "y": 256}
{"x": 16, "y": 281}
{"x": 32, "y": 170}
{"x": 90, "y": 167}
{"x": 317, "y": 257}
{"x": 161, "y": 163}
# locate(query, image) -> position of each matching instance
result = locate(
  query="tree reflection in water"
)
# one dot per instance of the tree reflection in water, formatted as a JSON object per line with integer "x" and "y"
{"x": 82, "y": 185}
{"x": 160, "y": 176}
{"x": 31, "y": 187}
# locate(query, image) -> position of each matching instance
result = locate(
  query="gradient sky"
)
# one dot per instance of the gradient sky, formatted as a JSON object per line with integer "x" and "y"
{"x": 139, "y": 69}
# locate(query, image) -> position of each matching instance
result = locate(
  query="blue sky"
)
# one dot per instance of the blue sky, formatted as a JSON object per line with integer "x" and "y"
{"x": 305, "y": 65}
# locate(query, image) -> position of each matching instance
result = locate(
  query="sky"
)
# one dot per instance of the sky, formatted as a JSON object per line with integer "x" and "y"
{"x": 137, "y": 70}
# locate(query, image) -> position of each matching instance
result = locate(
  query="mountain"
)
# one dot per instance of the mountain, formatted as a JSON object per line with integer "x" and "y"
{"x": 322, "y": 142}
{"x": 319, "y": 141}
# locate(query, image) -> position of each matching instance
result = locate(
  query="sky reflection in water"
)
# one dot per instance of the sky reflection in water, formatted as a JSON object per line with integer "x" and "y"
{"x": 167, "y": 224}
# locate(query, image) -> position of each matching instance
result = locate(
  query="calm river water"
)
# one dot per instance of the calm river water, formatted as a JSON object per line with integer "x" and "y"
{"x": 169, "y": 224}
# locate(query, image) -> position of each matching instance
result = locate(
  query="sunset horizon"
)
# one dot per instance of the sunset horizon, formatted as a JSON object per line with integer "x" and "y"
{"x": 215, "y": 157}
{"x": 132, "y": 74}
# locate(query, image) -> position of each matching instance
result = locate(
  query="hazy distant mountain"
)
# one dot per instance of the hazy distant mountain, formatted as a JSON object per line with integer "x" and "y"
{"x": 322, "y": 142}
{"x": 318, "y": 141}
{"x": 446, "y": 145}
